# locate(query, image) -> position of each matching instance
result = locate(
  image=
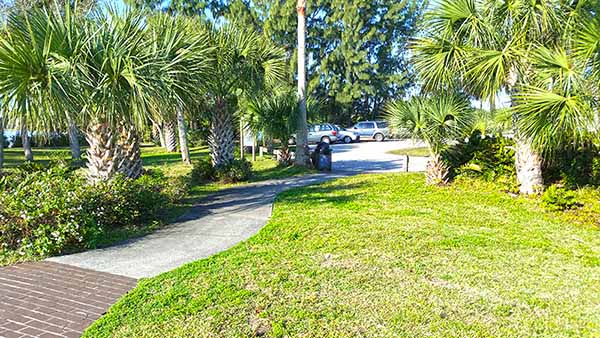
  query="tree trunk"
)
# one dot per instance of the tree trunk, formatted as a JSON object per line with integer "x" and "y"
{"x": 170, "y": 137}
{"x": 528, "y": 165}
{"x": 158, "y": 137}
{"x": 26, "y": 140}
{"x": 183, "y": 144}
{"x": 302, "y": 158}
{"x": 103, "y": 154}
{"x": 222, "y": 137}
{"x": 74, "y": 142}
{"x": 438, "y": 172}
{"x": 130, "y": 155}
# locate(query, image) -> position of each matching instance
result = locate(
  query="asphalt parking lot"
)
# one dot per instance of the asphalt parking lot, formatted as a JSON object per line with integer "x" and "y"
{"x": 374, "y": 157}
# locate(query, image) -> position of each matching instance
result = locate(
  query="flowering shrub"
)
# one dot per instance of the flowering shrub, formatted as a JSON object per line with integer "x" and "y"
{"x": 50, "y": 211}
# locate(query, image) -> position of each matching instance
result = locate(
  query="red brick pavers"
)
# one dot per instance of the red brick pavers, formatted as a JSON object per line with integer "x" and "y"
{"x": 45, "y": 299}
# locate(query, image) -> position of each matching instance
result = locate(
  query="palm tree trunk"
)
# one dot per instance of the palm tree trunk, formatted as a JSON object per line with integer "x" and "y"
{"x": 222, "y": 137}
{"x": 438, "y": 172}
{"x": 130, "y": 154}
{"x": 170, "y": 137}
{"x": 103, "y": 154}
{"x": 302, "y": 158}
{"x": 183, "y": 144}
{"x": 528, "y": 163}
{"x": 528, "y": 166}
{"x": 26, "y": 140}
{"x": 74, "y": 142}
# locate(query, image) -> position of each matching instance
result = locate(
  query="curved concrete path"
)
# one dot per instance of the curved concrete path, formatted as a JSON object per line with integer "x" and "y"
{"x": 225, "y": 218}
{"x": 218, "y": 222}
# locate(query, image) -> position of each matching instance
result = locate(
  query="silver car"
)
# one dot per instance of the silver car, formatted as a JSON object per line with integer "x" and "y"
{"x": 324, "y": 132}
{"x": 347, "y": 136}
{"x": 374, "y": 130}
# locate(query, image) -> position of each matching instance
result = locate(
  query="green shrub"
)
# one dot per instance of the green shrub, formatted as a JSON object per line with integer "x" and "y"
{"x": 203, "y": 171}
{"x": 236, "y": 171}
{"x": 558, "y": 198}
{"x": 491, "y": 158}
{"x": 46, "y": 212}
{"x": 574, "y": 166}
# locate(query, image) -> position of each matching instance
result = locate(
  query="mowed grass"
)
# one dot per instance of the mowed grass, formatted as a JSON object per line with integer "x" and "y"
{"x": 417, "y": 152}
{"x": 382, "y": 256}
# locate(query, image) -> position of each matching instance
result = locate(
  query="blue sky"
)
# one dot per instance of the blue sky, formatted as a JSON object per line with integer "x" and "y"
{"x": 118, "y": 3}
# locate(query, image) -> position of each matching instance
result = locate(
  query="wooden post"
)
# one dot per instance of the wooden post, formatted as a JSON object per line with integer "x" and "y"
{"x": 241, "y": 139}
{"x": 253, "y": 147}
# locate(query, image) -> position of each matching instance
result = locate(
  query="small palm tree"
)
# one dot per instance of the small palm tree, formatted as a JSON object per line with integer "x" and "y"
{"x": 275, "y": 115}
{"x": 436, "y": 121}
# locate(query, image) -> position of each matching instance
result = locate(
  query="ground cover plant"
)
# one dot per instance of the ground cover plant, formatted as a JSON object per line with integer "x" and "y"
{"x": 47, "y": 207}
{"x": 383, "y": 255}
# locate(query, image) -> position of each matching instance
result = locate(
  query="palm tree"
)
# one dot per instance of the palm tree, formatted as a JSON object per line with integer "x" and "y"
{"x": 186, "y": 59}
{"x": 302, "y": 130}
{"x": 275, "y": 115}
{"x": 487, "y": 46}
{"x": 243, "y": 61}
{"x": 436, "y": 120}
{"x": 31, "y": 81}
{"x": 120, "y": 79}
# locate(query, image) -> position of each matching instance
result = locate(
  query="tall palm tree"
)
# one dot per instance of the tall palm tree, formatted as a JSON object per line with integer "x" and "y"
{"x": 120, "y": 79}
{"x": 436, "y": 120}
{"x": 32, "y": 86}
{"x": 302, "y": 130}
{"x": 242, "y": 60}
{"x": 487, "y": 46}
{"x": 182, "y": 45}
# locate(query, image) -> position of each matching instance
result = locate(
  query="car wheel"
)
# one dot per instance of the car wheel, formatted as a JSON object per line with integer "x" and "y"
{"x": 379, "y": 137}
{"x": 347, "y": 139}
{"x": 325, "y": 139}
{"x": 292, "y": 140}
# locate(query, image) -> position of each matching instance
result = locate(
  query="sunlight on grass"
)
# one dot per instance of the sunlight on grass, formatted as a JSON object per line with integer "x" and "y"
{"x": 417, "y": 152}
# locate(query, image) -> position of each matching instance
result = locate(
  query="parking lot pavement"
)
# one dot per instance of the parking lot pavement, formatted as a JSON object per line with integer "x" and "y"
{"x": 374, "y": 157}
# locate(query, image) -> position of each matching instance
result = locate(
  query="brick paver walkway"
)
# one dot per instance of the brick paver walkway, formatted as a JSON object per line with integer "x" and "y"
{"x": 46, "y": 299}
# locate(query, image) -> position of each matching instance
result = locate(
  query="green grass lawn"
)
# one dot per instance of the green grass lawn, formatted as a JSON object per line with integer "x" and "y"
{"x": 383, "y": 256}
{"x": 419, "y": 152}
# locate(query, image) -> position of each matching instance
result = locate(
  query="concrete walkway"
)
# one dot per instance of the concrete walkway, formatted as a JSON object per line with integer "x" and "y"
{"x": 217, "y": 223}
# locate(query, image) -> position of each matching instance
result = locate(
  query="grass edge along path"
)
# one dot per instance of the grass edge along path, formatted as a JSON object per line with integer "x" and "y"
{"x": 382, "y": 255}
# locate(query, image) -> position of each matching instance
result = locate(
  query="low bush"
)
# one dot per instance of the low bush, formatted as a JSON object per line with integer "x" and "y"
{"x": 55, "y": 210}
{"x": 491, "y": 158}
{"x": 238, "y": 170}
{"x": 203, "y": 171}
{"x": 557, "y": 198}
{"x": 574, "y": 166}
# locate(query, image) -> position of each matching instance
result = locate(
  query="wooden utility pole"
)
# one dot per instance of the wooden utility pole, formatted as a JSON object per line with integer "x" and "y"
{"x": 301, "y": 132}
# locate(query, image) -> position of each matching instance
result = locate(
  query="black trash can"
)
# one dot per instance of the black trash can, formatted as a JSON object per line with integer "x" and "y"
{"x": 321, "y": 157}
